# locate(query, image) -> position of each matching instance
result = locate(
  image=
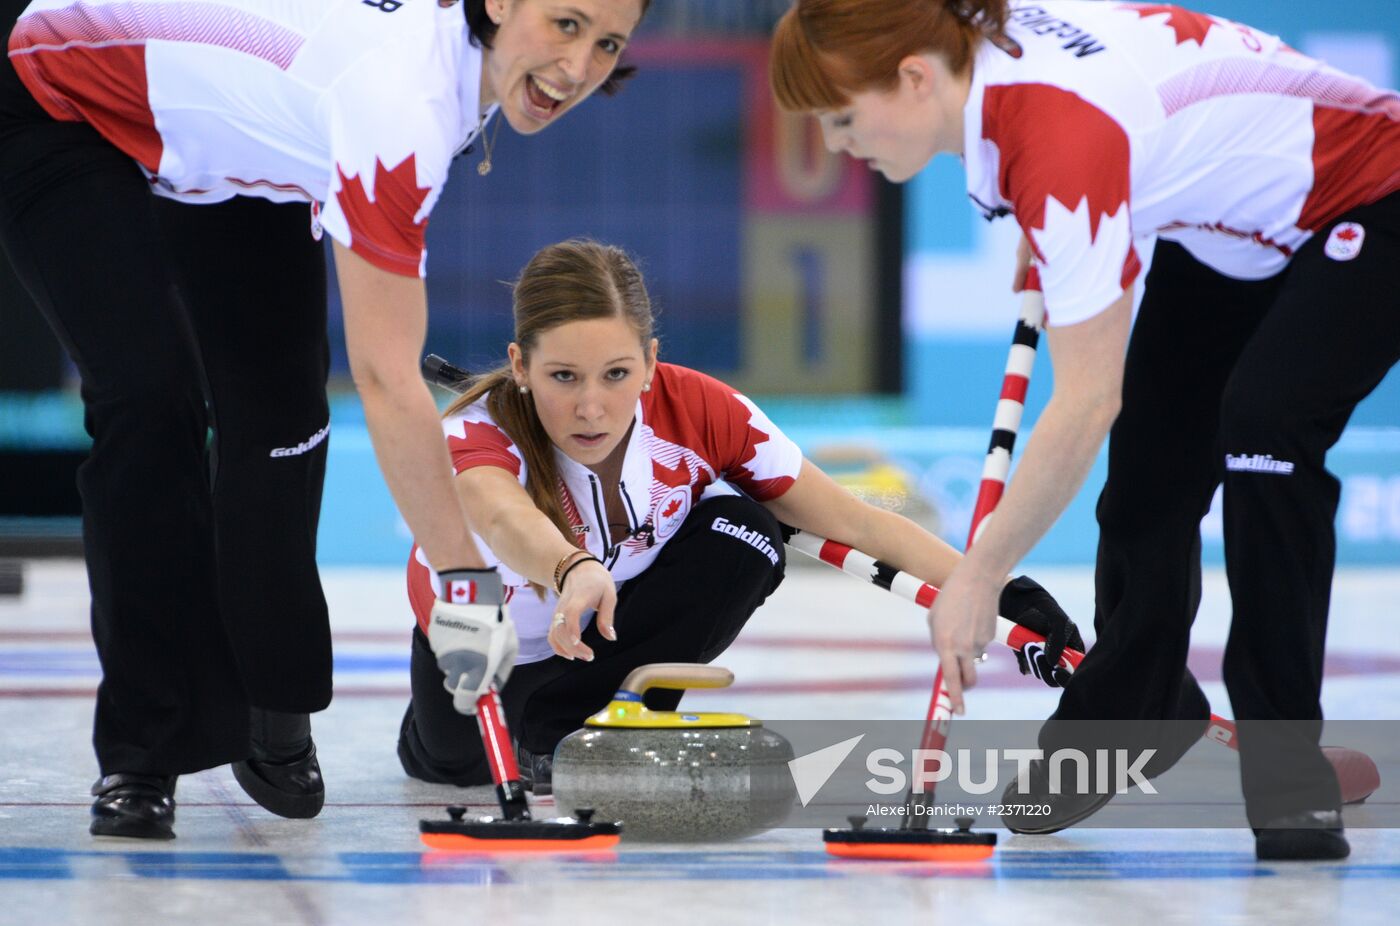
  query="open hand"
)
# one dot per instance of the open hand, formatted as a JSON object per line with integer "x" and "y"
{"x": 588, "y": 587}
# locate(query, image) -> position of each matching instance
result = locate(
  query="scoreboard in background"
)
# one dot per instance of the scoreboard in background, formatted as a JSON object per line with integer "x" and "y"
{"x": 764, "y": 254}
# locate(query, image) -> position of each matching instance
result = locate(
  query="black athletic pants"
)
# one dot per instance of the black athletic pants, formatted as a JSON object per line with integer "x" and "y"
{"x": 688, "y": 607}
{"x": 1221, "y": 369}
{"x": 201, "y": 556}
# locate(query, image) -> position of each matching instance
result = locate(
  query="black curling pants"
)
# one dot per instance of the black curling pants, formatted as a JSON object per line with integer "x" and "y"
{"x": 688, "y": 607}
{"x": 200, "y": 552}
{"x": 1263, "y": 375}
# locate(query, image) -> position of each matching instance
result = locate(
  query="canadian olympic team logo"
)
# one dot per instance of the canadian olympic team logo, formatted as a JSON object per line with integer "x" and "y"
{"x": 671, "y": 511}
{"x": 1345, "y": 241}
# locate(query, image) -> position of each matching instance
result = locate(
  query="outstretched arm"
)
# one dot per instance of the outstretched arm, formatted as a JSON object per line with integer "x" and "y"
{"x": 527, "y": 541}
{"x": 818, "y": 504}
{"x": 1088, "y": 363}
{"x": 386, "y": 318}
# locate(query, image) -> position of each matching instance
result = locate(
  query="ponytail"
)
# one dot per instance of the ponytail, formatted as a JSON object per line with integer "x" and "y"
{"x": 514, "y": 412}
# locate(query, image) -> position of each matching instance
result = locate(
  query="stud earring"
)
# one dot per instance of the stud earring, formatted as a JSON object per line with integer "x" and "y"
{"x": 646, "y": 387}
{"x": 524, "y": 390}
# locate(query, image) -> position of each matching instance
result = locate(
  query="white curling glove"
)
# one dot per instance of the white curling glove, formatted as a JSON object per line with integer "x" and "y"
{"x": 471, "y": 635}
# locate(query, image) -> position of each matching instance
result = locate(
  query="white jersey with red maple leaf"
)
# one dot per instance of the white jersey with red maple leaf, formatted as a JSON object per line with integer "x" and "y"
{"x": 690, "y": 432}
{"x": 359, "y": 106}
{"x": 1103, "y": 126}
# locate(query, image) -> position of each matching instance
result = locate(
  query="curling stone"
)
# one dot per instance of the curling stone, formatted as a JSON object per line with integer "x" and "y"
{"x": 673, "y": 775}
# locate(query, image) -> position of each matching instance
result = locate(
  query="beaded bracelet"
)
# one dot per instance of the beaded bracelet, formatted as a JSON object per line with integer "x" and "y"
{"x": 582, "y": 559}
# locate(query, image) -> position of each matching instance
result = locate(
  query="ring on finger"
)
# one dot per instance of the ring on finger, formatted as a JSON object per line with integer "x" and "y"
{"x": 982, "y": 657}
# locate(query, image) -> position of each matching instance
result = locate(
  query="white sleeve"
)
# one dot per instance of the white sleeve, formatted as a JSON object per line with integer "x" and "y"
{"x": 390, "y": 154}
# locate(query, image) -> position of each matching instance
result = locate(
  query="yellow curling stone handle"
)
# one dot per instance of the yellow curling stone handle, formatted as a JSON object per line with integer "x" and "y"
{"x": 626, "y": 710}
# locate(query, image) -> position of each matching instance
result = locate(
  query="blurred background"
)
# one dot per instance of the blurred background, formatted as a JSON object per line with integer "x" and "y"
{"x": 870, "y": 321}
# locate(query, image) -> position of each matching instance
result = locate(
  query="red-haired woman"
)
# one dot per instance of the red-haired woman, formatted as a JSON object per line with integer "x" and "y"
{"x": 1266, "y": 182}
{"x": 607, "y": 481}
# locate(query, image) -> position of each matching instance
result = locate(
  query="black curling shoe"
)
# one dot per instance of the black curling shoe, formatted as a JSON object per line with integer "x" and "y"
{"x": 1309, "y": 836}
{"x": 289, "y": 788}
{"x": 536, "y": 771}
{"x": 134, "y": 806}
{"x": 282, "y": 775}
{"x": 1066, "y": 808}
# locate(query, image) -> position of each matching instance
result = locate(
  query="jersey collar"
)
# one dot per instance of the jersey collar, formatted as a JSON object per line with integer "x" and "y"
{"x": 636, "y": 476}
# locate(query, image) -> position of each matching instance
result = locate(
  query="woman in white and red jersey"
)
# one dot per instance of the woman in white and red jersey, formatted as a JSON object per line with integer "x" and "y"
{"x": 632, "y": 509}
{"x": 112, "y": 114}
{"x": 1266, "y": 182}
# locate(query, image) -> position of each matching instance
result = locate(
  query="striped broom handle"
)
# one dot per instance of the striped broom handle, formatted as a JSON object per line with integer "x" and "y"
{"x": 1010, "y": 406}
{"x": 862, "y": 565}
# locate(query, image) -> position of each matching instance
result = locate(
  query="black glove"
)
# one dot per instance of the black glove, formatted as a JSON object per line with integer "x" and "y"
{"x": 1026, "y": 603}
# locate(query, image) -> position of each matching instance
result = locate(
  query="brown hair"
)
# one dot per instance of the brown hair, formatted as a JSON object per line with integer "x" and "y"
{"x": 482, "y": 31}
{"x": 825, "y": 50}
{"x": 574, "y": 280}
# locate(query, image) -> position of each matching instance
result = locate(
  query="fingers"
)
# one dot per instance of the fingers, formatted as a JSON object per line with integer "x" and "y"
{"x": 968, "y": 664}
{"x": 586, "y": 589}
{"x": 958, "y": 676}
{"x": 564, "y": 631}
{"x": 1023, "y": 265}
{"x": 565, "y": 636}
{"x": 948, "y": 661}
{"x": 959, "y": 667}
{"x": 958, "y": 662}
{"x": 962, "y": 621}
{"x": 606, "y": 606}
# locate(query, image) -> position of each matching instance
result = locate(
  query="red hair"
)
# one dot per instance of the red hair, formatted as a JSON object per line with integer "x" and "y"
{"x": 825, "y": 50}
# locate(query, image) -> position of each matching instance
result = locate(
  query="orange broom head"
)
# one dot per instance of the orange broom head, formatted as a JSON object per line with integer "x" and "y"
{"x": 545, "y": 842}
{"x": 490, "y": 835}
{"x": 910, "y": 845}
{"x": 932, "y": 852}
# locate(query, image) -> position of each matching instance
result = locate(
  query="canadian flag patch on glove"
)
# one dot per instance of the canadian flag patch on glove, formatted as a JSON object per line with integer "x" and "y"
{"x": 460, "y": 591}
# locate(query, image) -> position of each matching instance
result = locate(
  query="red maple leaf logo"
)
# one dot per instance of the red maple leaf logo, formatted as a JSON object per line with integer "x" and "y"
{"x": 1188, "y": 26}
{"x": 386, "y": 230}
{"x": 672, "y": 508}
{"x": 1347, "y": 234}
{"x": 1034, "y": 171}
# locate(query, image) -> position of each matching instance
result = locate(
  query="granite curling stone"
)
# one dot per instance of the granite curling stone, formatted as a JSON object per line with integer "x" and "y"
{"x": 676, "y": 776}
